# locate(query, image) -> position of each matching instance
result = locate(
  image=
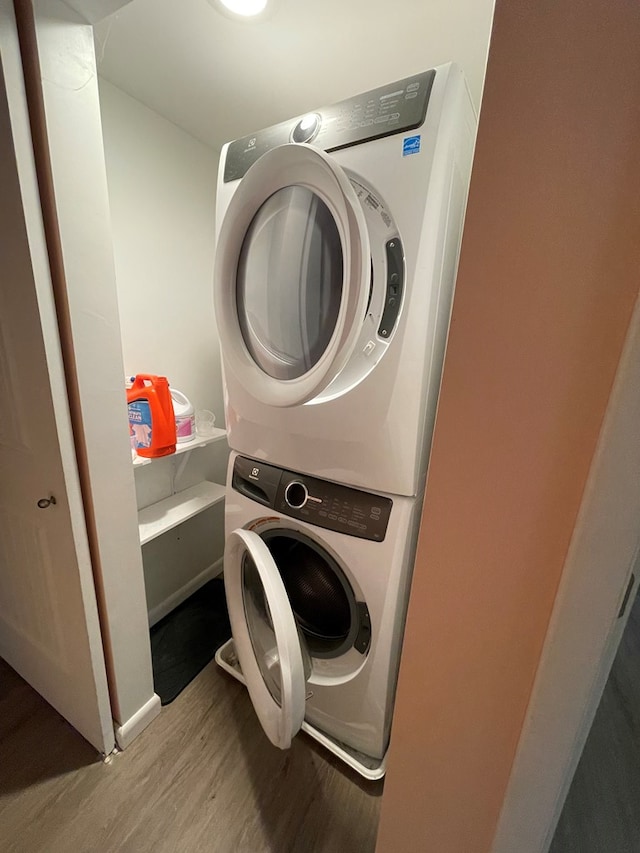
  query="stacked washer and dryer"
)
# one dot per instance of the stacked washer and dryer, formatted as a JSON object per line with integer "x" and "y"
{"x": 338, "y": 240}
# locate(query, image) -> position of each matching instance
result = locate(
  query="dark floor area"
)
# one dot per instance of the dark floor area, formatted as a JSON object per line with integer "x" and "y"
{"x": 602, "y": 810}
{"x": 184, "y": 642}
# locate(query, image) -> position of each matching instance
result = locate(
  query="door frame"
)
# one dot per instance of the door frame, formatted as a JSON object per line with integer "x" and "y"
{"x": 89, "y": 706}
{"x": 59, "y": 90}
{"x": 585, "y": 626}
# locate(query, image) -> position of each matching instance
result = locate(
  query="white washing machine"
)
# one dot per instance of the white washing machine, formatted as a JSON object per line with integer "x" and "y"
{"x": 317, "y": 577}
{"x": 337, "y": 247}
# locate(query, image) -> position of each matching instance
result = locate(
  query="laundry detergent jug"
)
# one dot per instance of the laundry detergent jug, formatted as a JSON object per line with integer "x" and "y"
{"x": 151, "y": 419}
{"x": 185, "y": 416}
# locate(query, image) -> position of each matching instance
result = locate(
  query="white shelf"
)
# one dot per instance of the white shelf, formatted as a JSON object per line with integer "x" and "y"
{"x": 156, "y": 519}
{"x": 183, "y": 447}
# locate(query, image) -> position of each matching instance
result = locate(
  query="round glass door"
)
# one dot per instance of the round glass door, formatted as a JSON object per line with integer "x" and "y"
{"x": 292, "y": 275}
{"x": 270, "y": 650}
{"x": 260, "y": 625}
{"x": 289, "y": 284}
{"x": 321, "y": 598}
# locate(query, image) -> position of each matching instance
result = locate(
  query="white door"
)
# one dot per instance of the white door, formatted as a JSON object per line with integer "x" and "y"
{"x": 49, "y": 630}
{"x": 292, "y": 275}
{"x": 272, "y": 654}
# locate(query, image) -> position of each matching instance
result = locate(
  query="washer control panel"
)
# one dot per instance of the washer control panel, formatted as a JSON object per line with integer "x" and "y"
{"x": 394, "y": 108}
{"x": 320, "y": 502}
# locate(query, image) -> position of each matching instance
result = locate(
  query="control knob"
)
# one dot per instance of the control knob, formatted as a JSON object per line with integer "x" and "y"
{"x": 296, "y": 494}
{"x": 307, "y": 128}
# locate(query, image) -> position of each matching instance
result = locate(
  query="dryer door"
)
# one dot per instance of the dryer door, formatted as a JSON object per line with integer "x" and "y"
{"x": 272, "y": 654}
{"x": 292, "y": 275}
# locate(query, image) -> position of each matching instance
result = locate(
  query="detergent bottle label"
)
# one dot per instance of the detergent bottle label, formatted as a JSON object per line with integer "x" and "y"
{"x": 140, "y": 423}
{"x": 185, "y": 427}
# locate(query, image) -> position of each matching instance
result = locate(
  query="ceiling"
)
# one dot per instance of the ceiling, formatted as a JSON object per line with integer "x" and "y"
{"x": 219, "y": 78}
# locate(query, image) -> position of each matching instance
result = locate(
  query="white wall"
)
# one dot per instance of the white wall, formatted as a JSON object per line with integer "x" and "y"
{"x": 220, "y": 79}
{"x": 162, "y": 186}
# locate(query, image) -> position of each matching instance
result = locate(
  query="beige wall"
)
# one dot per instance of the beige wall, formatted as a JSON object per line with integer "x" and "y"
{"x": 548, "y": 278}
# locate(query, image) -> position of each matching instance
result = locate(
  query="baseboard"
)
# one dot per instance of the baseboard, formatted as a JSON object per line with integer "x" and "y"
{"x": 177, "y": 597}
{"x": 136, "y": 724}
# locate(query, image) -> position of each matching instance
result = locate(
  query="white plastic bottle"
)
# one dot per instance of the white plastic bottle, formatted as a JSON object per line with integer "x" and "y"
{"x": 185, "y": 416}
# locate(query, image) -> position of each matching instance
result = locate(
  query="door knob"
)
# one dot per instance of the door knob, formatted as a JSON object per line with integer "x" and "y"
{"x": 43, "y": 503}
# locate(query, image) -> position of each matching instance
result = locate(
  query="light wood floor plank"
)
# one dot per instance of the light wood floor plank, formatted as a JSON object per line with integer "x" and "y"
{"x": 203, "y": 777}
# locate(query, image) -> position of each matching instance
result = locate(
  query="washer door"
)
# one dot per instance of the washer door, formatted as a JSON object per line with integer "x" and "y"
{"x": 271, "y": 652}
{"x": 292, "y": 275}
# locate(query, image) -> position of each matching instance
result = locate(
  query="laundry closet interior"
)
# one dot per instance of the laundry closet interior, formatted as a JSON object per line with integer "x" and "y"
{"x": 139, "y": 107}
{"x": 165, "y": 112}
{"x": 140, "y": 99}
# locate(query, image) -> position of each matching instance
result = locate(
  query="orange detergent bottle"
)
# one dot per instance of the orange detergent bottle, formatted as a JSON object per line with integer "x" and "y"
{"x": 152, "y": 424}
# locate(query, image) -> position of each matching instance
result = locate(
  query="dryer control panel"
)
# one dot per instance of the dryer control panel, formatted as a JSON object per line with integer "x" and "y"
{"x": 320, "y": 502}
{"x": 394, "y": 108}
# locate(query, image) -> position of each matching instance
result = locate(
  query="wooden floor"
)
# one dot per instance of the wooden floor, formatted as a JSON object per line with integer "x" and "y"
{"x": 202, "y": 777}
{"x": 602, "y": 811}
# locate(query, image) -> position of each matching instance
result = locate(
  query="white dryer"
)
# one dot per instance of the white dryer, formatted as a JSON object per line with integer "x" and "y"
{"x": 337, "y": 247}
{"x": 317, "y": 577}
